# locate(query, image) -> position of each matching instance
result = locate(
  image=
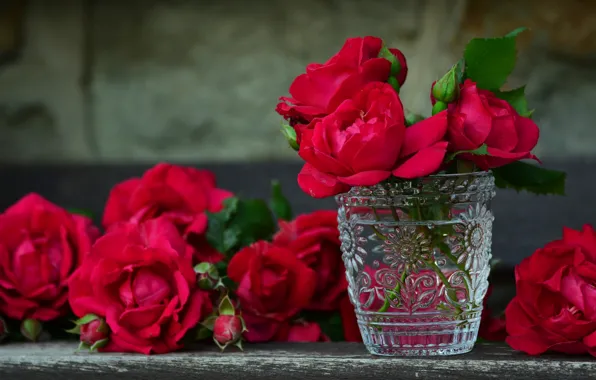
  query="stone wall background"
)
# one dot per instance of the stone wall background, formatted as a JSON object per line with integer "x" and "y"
{"x": 142, "y": 80}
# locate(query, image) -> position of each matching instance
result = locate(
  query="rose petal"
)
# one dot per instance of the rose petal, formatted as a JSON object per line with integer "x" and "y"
{"x": 527, "y": 134}
{"x": 424, "y": 134}
{"x": 368, "y": 178}
{"x": 423, "y": 163}
{"x": 319, "y": 185}
{"x": 503, "y": 134}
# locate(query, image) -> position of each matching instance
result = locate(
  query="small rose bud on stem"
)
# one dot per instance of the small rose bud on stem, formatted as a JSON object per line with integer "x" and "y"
{"x": 208, "y": 276}
{"x": 446, "y": 89}
{"x": 226, "y": 325}
{"x": 94, "y": 332}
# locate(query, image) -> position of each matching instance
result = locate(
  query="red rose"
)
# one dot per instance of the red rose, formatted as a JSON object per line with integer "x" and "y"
{"x": 301, "y": 332}
{"x": 324, "y": 87}
{"x": 555, "y": 305}
{"x": 365, "y": 141}
{"x": 349, "y": 321}
{"x": 479, "y": 117}
{"x": 140, "y": 278}
{"x": 181, "y": 194}
{"x": 273, "y": 285}
{"x": 314, "y": 239}
{"x": 491, "y": 328}
{"x": 41, "y": 245}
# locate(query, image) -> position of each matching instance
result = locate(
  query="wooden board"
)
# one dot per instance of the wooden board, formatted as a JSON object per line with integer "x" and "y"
{"x": 285, "y": 361}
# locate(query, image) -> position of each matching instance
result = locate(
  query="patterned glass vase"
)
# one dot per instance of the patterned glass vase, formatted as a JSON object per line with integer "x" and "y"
{"x": 417, "y": 257}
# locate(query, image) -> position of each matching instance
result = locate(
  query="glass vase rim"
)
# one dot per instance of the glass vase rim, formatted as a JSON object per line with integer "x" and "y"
{"x": 487, "y": 174}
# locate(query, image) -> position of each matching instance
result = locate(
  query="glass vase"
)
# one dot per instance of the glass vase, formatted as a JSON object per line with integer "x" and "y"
{"x": 417, "y": 256}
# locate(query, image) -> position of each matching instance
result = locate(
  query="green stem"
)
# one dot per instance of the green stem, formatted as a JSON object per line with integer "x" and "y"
{"x": 377, "y": 217}
{"x": 447, "y": 252}
{"x": 375, "y": 229}
{"x": 444, "y": 279}
{"x": 392, "y": 296}
{"x": 394, "y": 213}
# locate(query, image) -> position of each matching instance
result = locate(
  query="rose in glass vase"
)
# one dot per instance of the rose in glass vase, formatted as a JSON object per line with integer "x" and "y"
{"x": 414, "y": 194}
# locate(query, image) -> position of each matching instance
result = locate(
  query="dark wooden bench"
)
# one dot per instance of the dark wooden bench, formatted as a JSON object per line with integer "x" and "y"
{"x": 284, "y": 361}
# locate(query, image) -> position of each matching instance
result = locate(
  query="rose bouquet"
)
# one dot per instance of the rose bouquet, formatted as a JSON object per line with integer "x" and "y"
{"x": 180, "y": 261}
{"x": 413, "y": 192}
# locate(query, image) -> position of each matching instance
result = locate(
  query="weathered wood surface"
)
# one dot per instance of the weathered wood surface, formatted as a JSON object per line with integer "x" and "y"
{"x": 285, "y": 361}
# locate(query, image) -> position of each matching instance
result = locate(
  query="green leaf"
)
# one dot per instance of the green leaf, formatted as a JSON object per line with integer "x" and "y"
{"x": 99, "y": 344}
{"x": 460, "y": 70}
{"x": 82, "y": 212}
{"x": 222, "y": 268}
{"x": 489, "y": 61}
{"x": 531, "y": 178}
{"x": 254, "y": 221}
{"x": 516, "y": 32}
{"x": 279, "y": 203}
{"x": 226, "y": 307}
{"x": 74, "y": 330}
{"x": 228, "y": 283}
{"x": 330, "y": 323}
{"x": 480, "y": 151}
{"x": 231, "y": 238}
{"x": 230, "y": 205}
{"x": 209, "y": 322}
{"x": 517, "y": 99}
{"x": 203, "y": 268}
{"x": 86, "y": 319}
{"x": 203, "y": 333}
{"x": 216, "y": 231}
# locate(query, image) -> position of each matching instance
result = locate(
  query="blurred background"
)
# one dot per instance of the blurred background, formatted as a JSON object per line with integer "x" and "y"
{"x": 120, "y": 85}
{"x": 138, "y": 81}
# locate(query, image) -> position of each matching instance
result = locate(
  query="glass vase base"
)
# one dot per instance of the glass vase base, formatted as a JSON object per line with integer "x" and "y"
{"x": 421, "y": 339}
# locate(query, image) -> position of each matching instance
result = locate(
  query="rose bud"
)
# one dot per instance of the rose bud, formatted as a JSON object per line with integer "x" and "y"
{"x": 31, "y": 329}
{"x": 3, "y": 329}
{"x": 207, "y": 276}
{"x": 227, "y": 329}
{"x": 290, "y": 134}
{"x": 446, "y": 89}
{"x": 94, "y": 332}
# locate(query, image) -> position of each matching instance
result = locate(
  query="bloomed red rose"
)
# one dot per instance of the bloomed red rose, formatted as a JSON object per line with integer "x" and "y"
{"x": 273, "y": 286}
{"x": 365, "y": 141}
{"x": 181, "y": 194}
{"x": 140, "y": 279}
{"x": 319, "y": 91}
{"x": 314, "y": 239}
{"x": 41, "y": 245}
{"x": 480, "y": 118}
{"x": 555, "y": 305}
